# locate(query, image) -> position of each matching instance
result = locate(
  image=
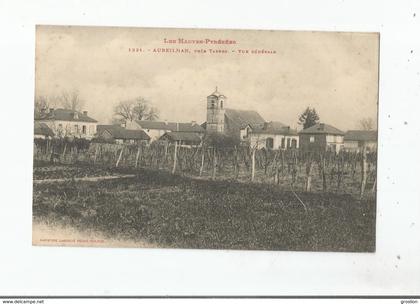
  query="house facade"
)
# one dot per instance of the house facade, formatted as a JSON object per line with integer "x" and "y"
{"x": 64, "y": 122}
{"x": 321, "y": 137}
{"x": 156, "y": 129}
{"x": 274, "y": 136}
{"x": 356, "y": 140}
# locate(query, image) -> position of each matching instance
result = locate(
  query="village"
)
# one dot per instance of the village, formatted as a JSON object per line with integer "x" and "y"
{"x": 247, "y": 127}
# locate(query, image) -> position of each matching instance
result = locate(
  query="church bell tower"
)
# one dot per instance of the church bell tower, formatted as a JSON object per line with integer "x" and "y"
{"x": 216, "y": 103}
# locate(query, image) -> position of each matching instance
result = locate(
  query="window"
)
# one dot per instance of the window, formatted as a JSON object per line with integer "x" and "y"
{"x": 294, "y": 143}
{"x": 213, "y": 104}
{"x": 76, "y": 129}
{"x": 312, "y": 139}
{"x": 283, "y": 143}
{"x": 269, "y": 143}
{"x": 84, "y": 129}
{"x": 221, "y": 104}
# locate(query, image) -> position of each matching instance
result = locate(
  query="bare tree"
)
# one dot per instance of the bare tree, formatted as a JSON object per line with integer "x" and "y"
{"x": 124, "y": 111}
{"x": 152, "y": 114}
{"x": 367, "y": 124}
{"x": 135, "y": 109}
{"x": 71, "y": 100}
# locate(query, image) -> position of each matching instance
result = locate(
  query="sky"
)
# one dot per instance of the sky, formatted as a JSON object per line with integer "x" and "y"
{"x": 334, "y": 72}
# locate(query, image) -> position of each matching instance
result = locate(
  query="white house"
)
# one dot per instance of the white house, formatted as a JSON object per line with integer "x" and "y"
{"x": 355, "y": 140}
{"x": 273, "y": 135}
{"x": 64, "y": 122}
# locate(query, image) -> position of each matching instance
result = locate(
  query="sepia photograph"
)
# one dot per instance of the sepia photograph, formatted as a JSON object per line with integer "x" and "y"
{"x": 205, "y": 138}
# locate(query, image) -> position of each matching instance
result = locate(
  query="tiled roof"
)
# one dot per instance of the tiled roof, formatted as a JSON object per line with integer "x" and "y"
{"x": 41, "y": 128}
{"x": 322, "y": 128}
{"x": 65, "y": 115}
{"x": 170, "y": 126}
{"x": 186, "y": 136}
{"x": 361, "y": 135}
{"x": 274, "y": 127}
{"x": 118, "y": 132}
{"x": 244, "y": 117}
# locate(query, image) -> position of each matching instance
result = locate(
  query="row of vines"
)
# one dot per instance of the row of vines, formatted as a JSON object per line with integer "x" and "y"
{"x": 344, "y": 172}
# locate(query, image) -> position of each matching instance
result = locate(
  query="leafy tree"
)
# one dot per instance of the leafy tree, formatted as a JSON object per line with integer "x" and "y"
{"x": 308, "y": 118}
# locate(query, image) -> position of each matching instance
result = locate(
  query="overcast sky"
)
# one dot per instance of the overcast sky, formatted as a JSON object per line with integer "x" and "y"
{"x": 337, "y": 73}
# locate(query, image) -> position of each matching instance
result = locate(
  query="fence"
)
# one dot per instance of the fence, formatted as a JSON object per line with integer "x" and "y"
{"x": 345, "y": 172}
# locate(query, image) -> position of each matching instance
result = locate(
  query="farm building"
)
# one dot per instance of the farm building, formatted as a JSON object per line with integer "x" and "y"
{"x": 155, "y": 129}
{"x": 41, "y": 130}
{"x": 187, "y": 139}
{"x": 64, "y": 122}
{"x": 321, "y": 137}
{"x": 121, "y": 135}
{"x": 248, "y": 125}
{"x": 274, "y": 135}
{"x": 355, "y": 140}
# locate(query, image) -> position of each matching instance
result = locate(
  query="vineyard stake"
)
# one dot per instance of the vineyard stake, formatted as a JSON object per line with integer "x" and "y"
{"x": 175, "y": 157}
{"x": 119, "y": 157}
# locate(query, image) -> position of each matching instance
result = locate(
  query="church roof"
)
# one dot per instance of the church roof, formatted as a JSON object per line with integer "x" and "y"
{"x": 245, "y": 117}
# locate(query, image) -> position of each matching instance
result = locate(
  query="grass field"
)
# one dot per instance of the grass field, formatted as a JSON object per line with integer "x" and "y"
{"x": 173, "y": 211}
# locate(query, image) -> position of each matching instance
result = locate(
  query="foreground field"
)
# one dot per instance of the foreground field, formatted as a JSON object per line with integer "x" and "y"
{"x": 172, "y": 211}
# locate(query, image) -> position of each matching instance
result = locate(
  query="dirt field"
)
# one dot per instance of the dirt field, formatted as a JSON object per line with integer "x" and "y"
{"x": 173, "y": 211}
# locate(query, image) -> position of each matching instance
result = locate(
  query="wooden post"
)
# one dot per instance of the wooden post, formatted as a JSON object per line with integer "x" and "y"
{"x": 64, "y": 151}
{"x": 119, "y": 157}
{"x": 308, "y": 174}
{"x": 202, "y": 160}
{"x": 175, "y": 157}
{"x": 364, "y": 172}
{"x": 214, "y": 163}
{"x": 96, "y": 153}
{"x": 324, "y": 179}
{"x": 253, "y": 164}
{"x": 137, "y": 157}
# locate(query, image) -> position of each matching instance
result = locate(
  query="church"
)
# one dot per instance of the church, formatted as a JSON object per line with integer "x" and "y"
{"x": 248, "y": 125}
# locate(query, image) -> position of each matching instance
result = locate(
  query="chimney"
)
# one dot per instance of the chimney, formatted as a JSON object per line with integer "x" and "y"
{"x": 193, "y": 123}
{"x": 85, "y": 113}
{"x": 321, "y": 126}
{"x": 265, "y": 125}
{"x": 177, "y": 126}
{"x": 166, "y": 122}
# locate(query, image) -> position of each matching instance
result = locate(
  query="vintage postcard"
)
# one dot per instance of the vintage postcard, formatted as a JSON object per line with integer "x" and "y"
{"x": 210, "y": 139}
